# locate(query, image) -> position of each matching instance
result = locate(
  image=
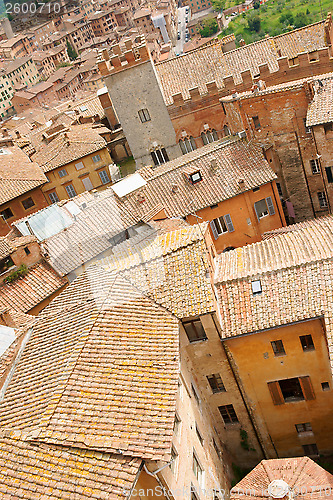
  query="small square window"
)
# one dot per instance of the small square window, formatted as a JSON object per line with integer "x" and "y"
{"x": 307, "y": 342}
{"x": 62, "y": 173}
{"x": 96, "y": 158}
{"x": 28, "y": 203}
{"x": 278, "y": 348}
{"x": 301, "y": 428}
{"x": 194, "y": 330}
{"x": 195, "y": 177}
{"x": 79, "y": 165}
{"x": 256, "y": 287}
{"x": 176, "y": 424}
{"x": 216, "y": 383}
{"x": 144, "y": 115}
{"x": 325, "y": 386}
{"x": 228, "y": 414}
{"x": 26, "y": 251}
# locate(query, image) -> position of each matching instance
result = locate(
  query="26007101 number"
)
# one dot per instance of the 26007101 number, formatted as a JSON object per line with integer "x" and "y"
{"x": 32, "y": 8}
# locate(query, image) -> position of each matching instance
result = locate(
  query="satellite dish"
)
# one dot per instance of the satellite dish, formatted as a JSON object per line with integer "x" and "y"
{"x": 278, "y": 488}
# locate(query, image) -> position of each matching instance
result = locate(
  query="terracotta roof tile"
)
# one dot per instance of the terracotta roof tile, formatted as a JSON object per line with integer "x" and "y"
{"x": 25, "y": 293}
{"x": 168, "y": 186}
{"x": 80, "y": 141}
{"x": 320, "y": 110}
{"x": 18, "y": 174}
{"x": 304, "y": 477}
{"x": 170, "y": 268}
{"x": 208, "y": 64}
{"x": 48, "y": 472}
{"x": 99, "y": 369}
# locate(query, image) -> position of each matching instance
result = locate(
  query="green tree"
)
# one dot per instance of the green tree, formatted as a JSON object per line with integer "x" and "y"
{"x": 256, "y": 4}
{"x": 218, "y": 5}
{"x": 209, "y": 27}
{"x": 254, "y": 23}
{"x": 301, "y": 20}
{"x": 287, "y": 18}
{"x": 71, "y": 52}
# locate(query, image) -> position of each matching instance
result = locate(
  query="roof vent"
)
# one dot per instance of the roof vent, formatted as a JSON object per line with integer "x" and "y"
{"x": 242, "y": 134}
{"x": 213, "y": 166}
{"x": 278, "y": 488}
{"x": 206, "y": 126}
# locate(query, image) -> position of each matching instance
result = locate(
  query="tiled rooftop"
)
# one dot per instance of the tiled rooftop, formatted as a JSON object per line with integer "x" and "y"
{"x": 30, "y": 290}
{"x": 103, "y": 373}
{"x": 208, "y": 64}
{"x": 78, "y": 142}
{"x": 295, "y": 270}
{"x": 170, "y": 268}
{"x": 48, "y": 472}
{"x": 168, "y": 186}
{"x": 301, "y": 474}
{"x": 18, "y": 174}
{"x": 90, "y": 234}
{"x": 320, "y": 109}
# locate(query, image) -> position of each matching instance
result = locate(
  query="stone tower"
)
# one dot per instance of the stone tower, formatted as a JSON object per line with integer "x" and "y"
{"x": 136, "y": 95}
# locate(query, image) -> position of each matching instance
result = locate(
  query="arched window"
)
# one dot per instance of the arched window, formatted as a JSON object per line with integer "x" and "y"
{"x": 209, "y": 136}
{"x": 187, "y": 145}
{"x": 226, "y": 130}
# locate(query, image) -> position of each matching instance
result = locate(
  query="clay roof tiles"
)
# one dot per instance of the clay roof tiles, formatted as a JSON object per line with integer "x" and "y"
{"x": 295, "y": 270}
{"x": 168, "y": 186}
{"x": 18, "y": 175}
{"x": 304, "y": 477}
{"x": 103, "y": 373}
{"x": 208, "y": 64}
{"x": 320, "y": 110}
{"x": 28, "y": 291}
{"x": 169, "y": 267}
{"x": 66, "y": 148}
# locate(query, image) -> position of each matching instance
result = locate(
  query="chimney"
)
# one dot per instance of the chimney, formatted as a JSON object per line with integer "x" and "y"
{"x": 18, "y": 135}
{"x": 6, "y": 319}
{"x": 242, "y": 42}
{"x": 5, "y": 132}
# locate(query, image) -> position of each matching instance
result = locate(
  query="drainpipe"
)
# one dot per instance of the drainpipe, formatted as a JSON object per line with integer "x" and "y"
{"x": 154, "y": 475}
{"x": 304, "y": 172}
{"x": 256, "y": 432}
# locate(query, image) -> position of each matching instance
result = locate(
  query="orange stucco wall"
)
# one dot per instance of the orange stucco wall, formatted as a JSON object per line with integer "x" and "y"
{"x": 241, "y": 208}
{"x": 256, "y": 365}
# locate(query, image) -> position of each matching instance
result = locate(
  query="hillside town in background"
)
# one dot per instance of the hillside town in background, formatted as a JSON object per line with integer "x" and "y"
{"x": 166, "y": 256}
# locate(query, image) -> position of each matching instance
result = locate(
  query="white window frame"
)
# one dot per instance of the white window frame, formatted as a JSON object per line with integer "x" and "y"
{"x": 315, "y": 166}
{"x": 217, "y": 228}
{"x": 269, "y": 205}
{"x": 96, "y": 158}
{"x": 70, "y": 190}
{"x": 103, "y": 173}
{"x": 62, "y": 173}
{"x": 322, "y": 199}
{"x": 144, "y": 115}
{"x": 53, "y": 194}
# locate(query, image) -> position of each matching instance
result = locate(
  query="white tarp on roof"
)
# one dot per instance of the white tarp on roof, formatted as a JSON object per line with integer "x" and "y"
{"x": 128, "y": 185}
{"x": 7, "y": 337}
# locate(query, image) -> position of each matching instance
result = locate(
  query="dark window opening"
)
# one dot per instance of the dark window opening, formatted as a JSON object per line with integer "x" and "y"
{"x": 329, "y": 174}
{"x": 278, "y": 348}
{"x": 315, "y": 166}
{"x": 228, "y": 414}
{"x": 28, "y": 203}
{"x": 256, "y": 122}
{"x": 307, "y": 342}
{"x": 310, "y": 450}
{"x": 7, "y": 213}
{"x": 322, "y": 199}
{"x": 291, "y": 390}
{"x": 325, "y": 386}
{"x": 27, "y": 251}
{"x": 216, "y": 383}
{"x": 194, "y": 330}
{"x": 306, "y": 427}
{"x": 6, "y": 264}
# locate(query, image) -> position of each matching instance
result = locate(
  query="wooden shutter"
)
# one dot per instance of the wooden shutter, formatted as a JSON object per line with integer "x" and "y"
{"x": 214, "y": 230}
{"x": 255, "y": 208}
{"x": 270, "y": 206}
{"x": 229, "y": 223}
{"x": 276, "y": 393}
{"x": 307, "y": 388}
